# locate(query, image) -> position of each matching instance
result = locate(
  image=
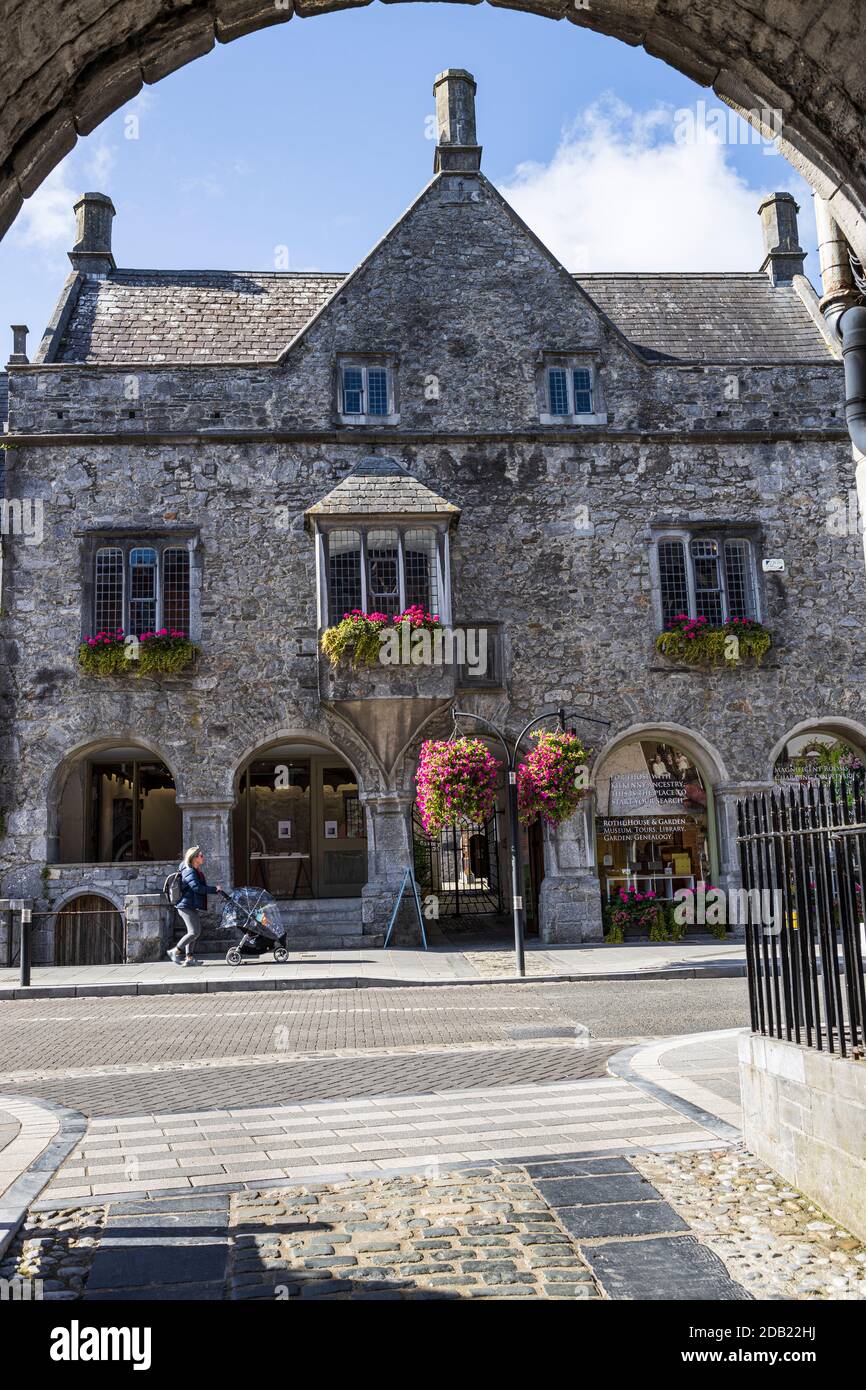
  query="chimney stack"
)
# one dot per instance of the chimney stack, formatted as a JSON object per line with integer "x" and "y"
{"x": 783, "y": 254}
{"x": 92, "y": 250}
{"x": 19, "y": 356}
{"x": 457, "y": 151}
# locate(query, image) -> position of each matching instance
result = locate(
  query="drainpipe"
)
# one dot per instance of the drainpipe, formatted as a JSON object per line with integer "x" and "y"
{"x": 843, "y": 306}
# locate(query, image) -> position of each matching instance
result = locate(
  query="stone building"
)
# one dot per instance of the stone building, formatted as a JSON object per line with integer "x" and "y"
{"x": 557, "y": 462}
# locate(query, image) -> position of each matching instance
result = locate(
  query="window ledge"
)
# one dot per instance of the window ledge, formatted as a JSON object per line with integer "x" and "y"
{"x": 369, "y": 419}
{"x": 600, "y": 419}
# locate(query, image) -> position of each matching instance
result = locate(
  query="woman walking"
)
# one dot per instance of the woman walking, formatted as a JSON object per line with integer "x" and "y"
{"x": 191, "y": 905}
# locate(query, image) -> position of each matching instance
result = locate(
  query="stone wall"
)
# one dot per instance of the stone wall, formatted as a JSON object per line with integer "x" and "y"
{"x": 804, "y": 1113}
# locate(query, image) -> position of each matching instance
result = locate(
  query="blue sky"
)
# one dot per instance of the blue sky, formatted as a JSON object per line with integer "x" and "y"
{"x": 314, "y": 136}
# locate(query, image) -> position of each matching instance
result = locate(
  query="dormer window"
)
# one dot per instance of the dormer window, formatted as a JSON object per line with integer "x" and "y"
{"x": 365, "y": 389}
{"x": 569, "y": 392}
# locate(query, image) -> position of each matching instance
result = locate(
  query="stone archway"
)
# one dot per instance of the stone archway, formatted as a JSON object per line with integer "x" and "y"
{"x": 63, "y": 76}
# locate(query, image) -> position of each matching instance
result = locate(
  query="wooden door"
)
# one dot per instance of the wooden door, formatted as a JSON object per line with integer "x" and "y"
{"x": 88, "y": 931}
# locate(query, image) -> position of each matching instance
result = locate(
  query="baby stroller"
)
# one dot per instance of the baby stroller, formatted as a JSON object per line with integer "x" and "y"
{"x": 255, "y": 914}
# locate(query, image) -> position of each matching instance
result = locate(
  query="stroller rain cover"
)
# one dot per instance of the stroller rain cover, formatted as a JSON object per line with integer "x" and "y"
{"x": 252, "y": 910}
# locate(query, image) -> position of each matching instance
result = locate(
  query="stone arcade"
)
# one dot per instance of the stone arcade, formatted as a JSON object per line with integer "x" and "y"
{"x": 562, "y": 461}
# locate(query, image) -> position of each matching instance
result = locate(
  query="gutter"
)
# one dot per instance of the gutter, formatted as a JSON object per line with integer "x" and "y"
{"x": 845, "y": 311}
{"x": 851, "y": 328}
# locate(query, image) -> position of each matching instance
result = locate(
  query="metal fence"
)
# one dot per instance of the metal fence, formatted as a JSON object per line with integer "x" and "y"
{"x": 460, "y": 866}
{"x": 805, "y": 846}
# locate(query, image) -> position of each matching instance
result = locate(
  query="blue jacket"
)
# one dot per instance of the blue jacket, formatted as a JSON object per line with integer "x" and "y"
{"x": 195, "y": 888}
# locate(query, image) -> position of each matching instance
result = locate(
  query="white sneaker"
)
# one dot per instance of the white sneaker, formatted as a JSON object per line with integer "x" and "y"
{"x": 172, "y": 955}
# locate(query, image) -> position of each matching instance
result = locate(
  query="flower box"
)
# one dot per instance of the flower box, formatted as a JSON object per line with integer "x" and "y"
{"x": 375, "y": 639}
{"x": 697, "y": 642}
{"x": 162, "y": 653}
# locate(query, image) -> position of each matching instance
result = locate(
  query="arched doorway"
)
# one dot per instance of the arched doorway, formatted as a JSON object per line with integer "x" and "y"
{"x": 819, "y": 755}
{"x": 655, "y": 822}
{"x": 117, "y": 805}
{"x": 88, "y": 930}
{"x": 299, "y": 827}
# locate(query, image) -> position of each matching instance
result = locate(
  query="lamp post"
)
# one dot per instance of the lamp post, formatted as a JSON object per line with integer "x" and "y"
{"x": 511, "y": 755}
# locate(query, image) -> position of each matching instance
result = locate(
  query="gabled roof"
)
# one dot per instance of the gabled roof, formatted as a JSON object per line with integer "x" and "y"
{"x": 723, "y": 317}
{"x": 381, "y": 486}
{"x": 191, "y": 315}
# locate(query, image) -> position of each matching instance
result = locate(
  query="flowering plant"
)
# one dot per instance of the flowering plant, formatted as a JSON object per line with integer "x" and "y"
{"x": 455, "y": 781}
{"x": 553, "y": 780}
{"x": 631, "y": 908}
{"x": 700, "y": 643}
{"x": 358, "y": 635}
{"x": 158, "y": 653}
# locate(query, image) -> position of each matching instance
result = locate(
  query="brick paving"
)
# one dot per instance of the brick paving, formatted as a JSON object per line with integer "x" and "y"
{"x": 268, "y": 1082}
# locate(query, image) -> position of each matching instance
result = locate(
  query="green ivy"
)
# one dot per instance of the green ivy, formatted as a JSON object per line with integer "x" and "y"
{"x": 355, "y": 639}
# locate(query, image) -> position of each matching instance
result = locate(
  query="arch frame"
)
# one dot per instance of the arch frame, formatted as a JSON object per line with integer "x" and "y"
{"x": 836, "y": 726}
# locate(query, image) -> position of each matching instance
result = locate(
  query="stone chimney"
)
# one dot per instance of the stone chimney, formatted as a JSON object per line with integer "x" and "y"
{"x": 19, "y": 356}
{"x": 783, "y": 254}
{"x": 92, "y": 250}
{"x": 456, "y": 151}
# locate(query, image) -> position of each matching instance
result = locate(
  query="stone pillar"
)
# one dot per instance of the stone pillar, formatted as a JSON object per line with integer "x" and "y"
{"x": 209, "y": 824}
{"x": 389, "y": 850}
{"x": 725, "y": 797}
{"x": 148, "y": 926}
{"x": 570, "y": 898}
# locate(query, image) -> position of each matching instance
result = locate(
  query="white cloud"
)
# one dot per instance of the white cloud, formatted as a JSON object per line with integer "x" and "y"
{"x": 46, "y": 222}
{"x": 621, "y": 193}
{"x": 98, "y": 163}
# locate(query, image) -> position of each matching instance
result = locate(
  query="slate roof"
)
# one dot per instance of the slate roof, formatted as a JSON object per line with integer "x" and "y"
{"x": 193, "y": 316}
{"x": 725, "y": 317}
{"x": 380, "y": 485}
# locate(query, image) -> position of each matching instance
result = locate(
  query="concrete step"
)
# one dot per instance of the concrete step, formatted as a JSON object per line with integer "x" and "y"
{"x": 214, "y": 949}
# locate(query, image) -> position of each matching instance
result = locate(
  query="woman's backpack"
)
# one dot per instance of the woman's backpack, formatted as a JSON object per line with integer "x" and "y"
{"x": 172, "y": 889}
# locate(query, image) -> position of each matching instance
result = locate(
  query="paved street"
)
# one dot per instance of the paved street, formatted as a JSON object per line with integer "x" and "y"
{"x": 460, "y": 1141}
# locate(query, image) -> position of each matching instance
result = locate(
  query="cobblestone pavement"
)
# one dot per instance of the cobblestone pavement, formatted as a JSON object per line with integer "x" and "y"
{"x": 561, "y": 1230}
{"x": 774, "y": 1241}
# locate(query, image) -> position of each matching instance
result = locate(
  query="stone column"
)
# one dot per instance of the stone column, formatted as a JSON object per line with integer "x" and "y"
{"x": 570, "y": 898}
{"x": 725, "y": 797}
{"x": 389, "y": 851}
{"x": 208, "y": 823}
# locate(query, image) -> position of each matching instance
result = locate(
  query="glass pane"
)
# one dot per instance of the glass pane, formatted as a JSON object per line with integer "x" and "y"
{"x": 557, "y": 386}
{"x": 582, "y": 391}
{"x": 421, "y": 586}
{"x": 672, "y": 579}
{"x": 377, "y": 390}
{"x": 175, "y": 590}
{"x": 738, "y": 580}
{"x": 142, "y": 591}
{"x": 160, "y": 827}
{"x": 342, "y": 813}
{"x": 108, "y": 591}
{"x": 275, "y": 804}
{"x": 353, "y": 391}
{"x": 383, "y": 573}
{"x": 705, "y": 567}
{"x": 344, "y": 573}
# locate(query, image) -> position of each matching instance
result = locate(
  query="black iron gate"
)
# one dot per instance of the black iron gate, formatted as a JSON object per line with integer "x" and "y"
{"x": 803, "y": 855}
{"x": 461, "y": 866}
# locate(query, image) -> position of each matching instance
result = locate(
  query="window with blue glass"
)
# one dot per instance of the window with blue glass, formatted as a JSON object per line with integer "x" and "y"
{"x": 365, "y": 390}
{"x": 569, "y": 391}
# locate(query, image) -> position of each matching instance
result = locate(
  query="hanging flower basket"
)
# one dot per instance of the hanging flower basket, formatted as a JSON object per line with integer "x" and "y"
{"x": 553, "y": 780}
{"x": 696, "y": 642}
{"x": 159, "y": 653}
{"x": 455, "y": 781}
{"x": 358, "y": 637}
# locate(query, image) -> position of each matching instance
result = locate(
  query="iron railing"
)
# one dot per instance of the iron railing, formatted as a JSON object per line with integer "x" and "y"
{"x": 805, "y": 846}
{"x": 460, "y": 866}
